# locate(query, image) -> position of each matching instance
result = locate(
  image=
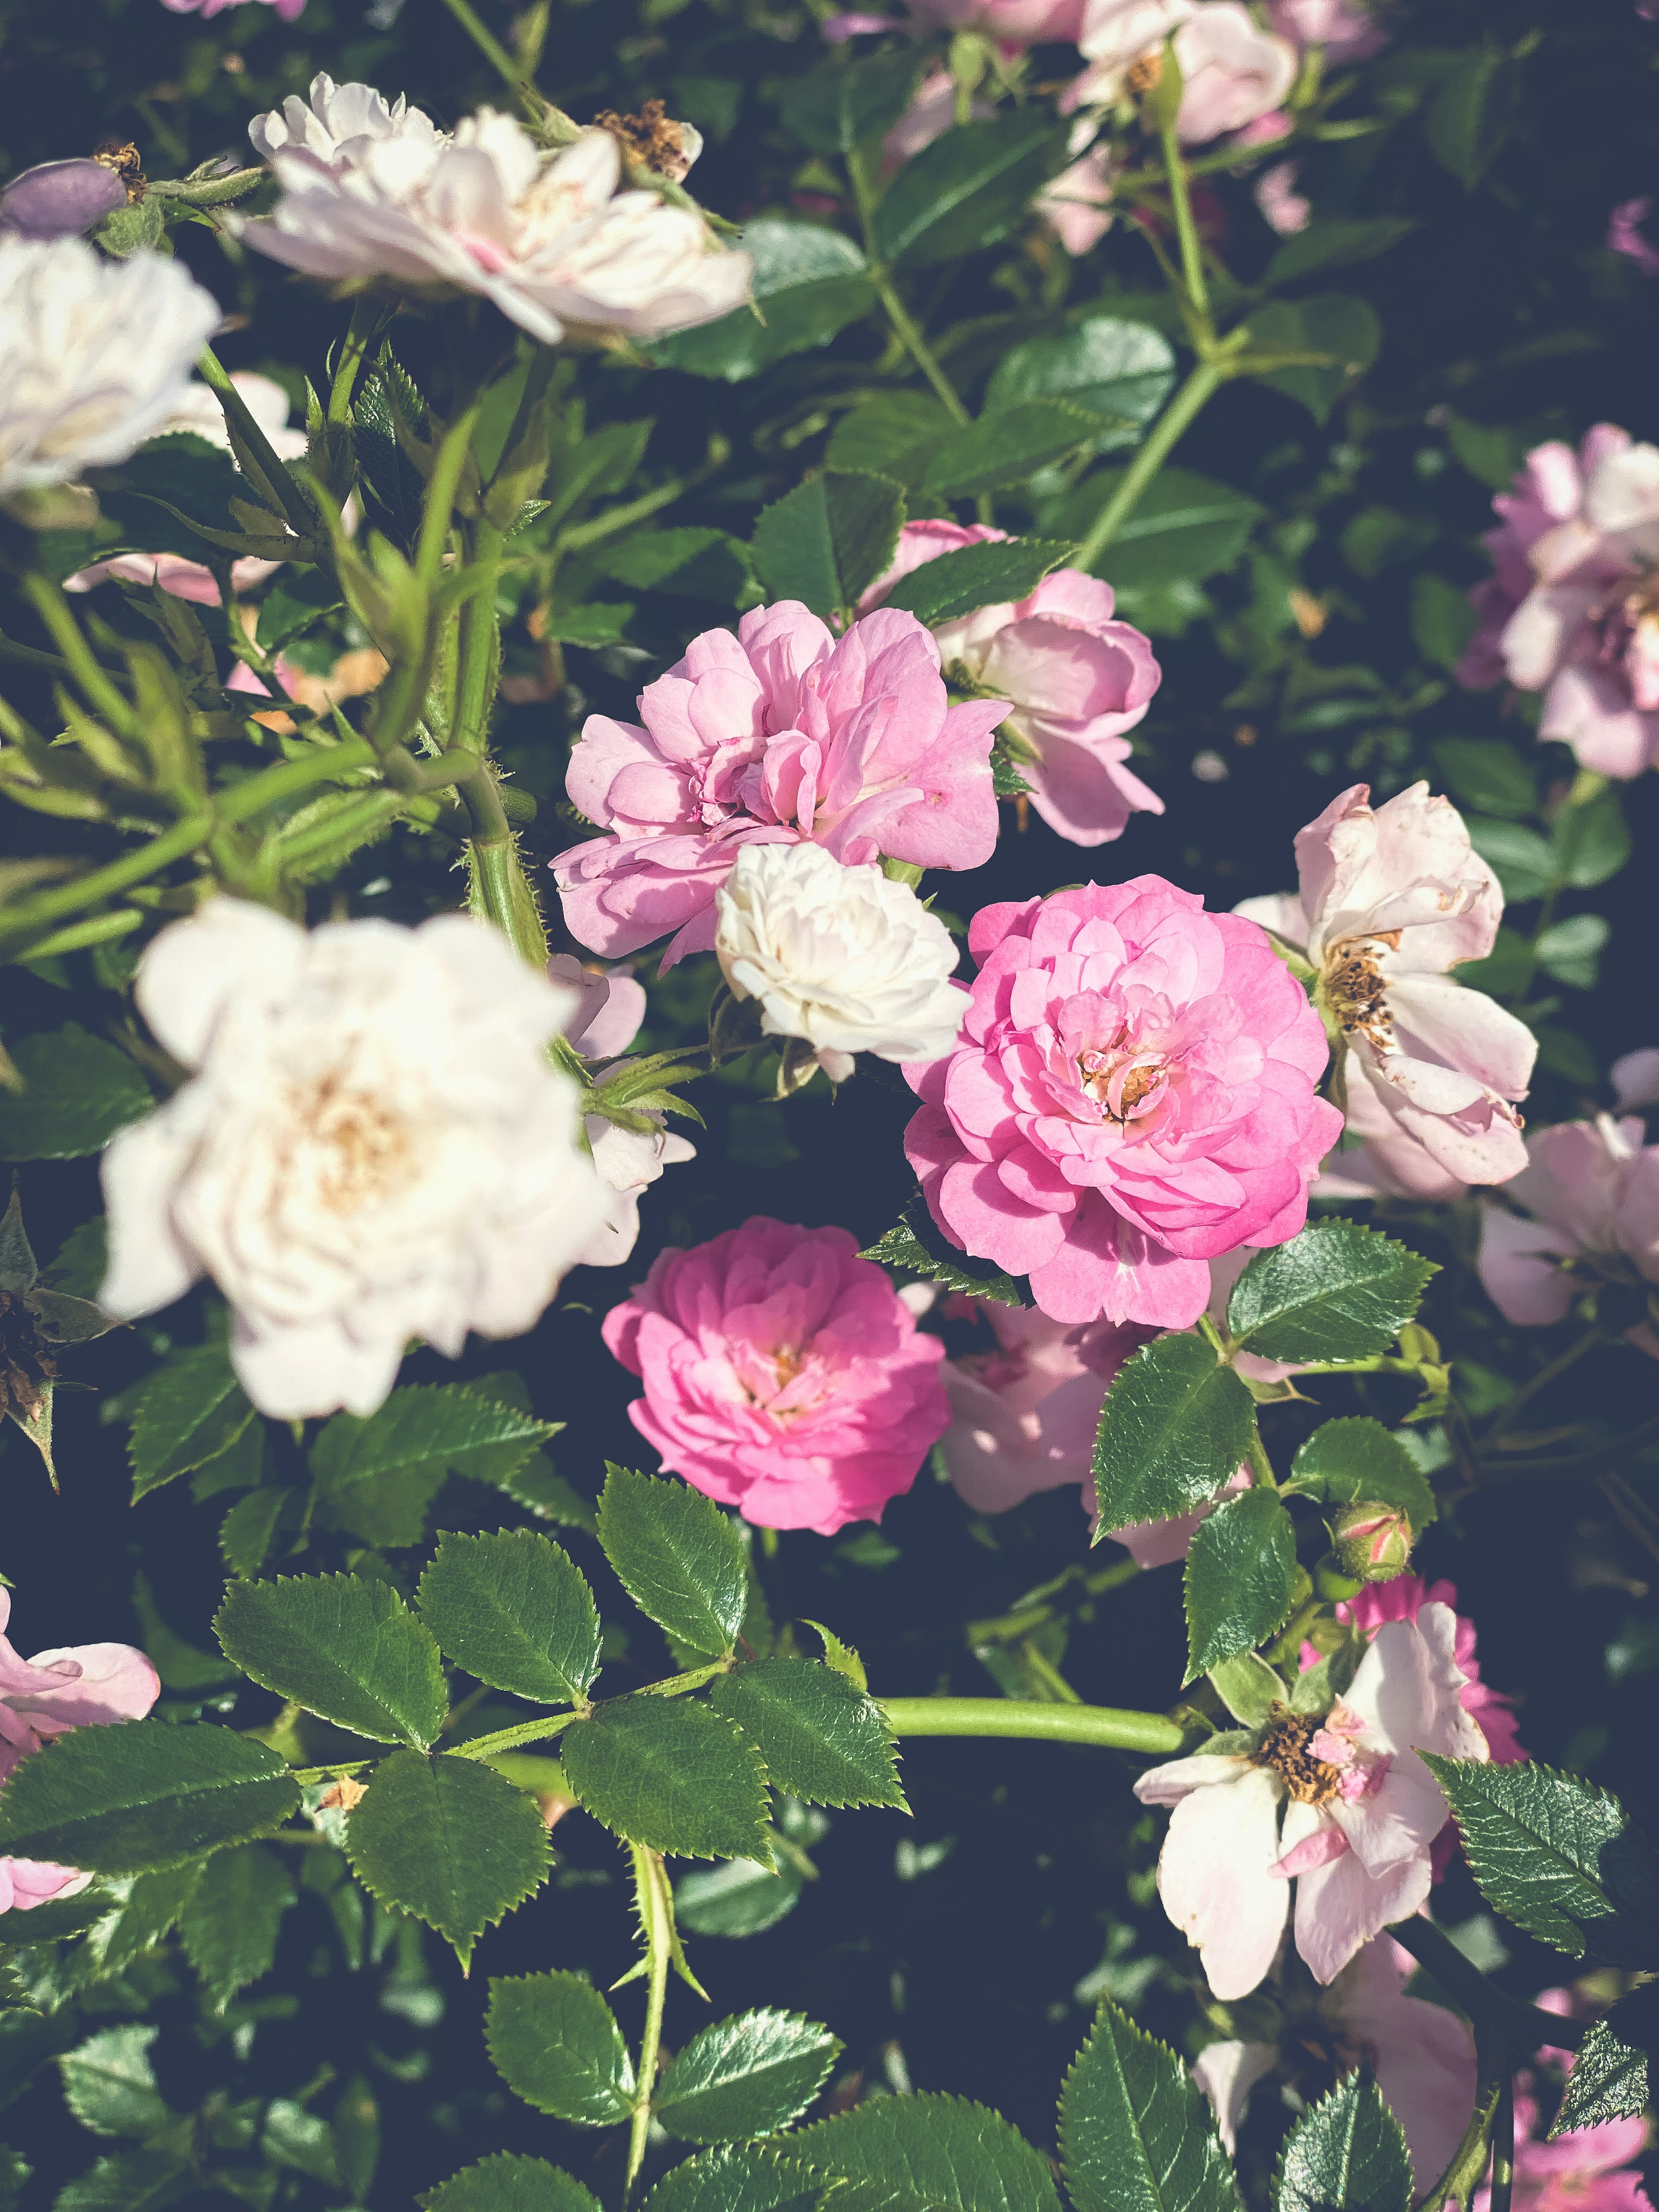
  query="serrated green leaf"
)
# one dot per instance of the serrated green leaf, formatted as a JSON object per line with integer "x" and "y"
{"x": 132, "y": 2181}
{"x": 825, "y": 542}
{"x": 1610, "y": 2075}
{"x": 1337, "y": 1291}
{"x": 1346, "y": 2155}
{"x": 809, "y": 282}
{"x": 1184, "y": 527}
{"x": 516, "y": 1612}
{"x": 1556, "y": 1855}
{"x": 677, "y": 1556}
{"x": 918, "y": 1245}
{"x": 748, "y": 2076}
{"x": 1345, "y": 1460}
{"x": 895, "y": 435}
{"x": 191, "y": 1410}
{"x": 1472, "y": 112}
{"x": 929, "y": 2154}
{"x": 1135, "y": 2133}
{"x": 1175, "y": 1427}
{"x": 1121, "y": 372}
{"x": 507, "y": 2181}
{"x": 669, "y": 1774}
{"x": 143, "y": 1911}
{"x": 555, "y": 2041}
{"x": 248, "y": 1533}
{"x": 1248, "y": 1686}
{"x": 376, "y": 1478}
{"x": 109, "y": 2083}
{"x": 749, "y": 2179}
{"x": 1005, "y": 448}
{"x": 737, "y": 1898}
{"x": 448, "y": 1840}
{"x": 975, "y": 576}
{"x": 1343, "y": 327}
{"x": 143, "y": 1795}
{"x": 77, "y": 1091}
{"x": 1241, "y": 1579}
{"x": 822, "y": 1737}
{"x": 342, "y": 1646}
{"x": 232, "y": 1918}
{"x": 968, "y": 189}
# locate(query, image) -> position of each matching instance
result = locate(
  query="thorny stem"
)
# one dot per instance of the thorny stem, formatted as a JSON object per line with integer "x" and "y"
{"x": 277, "y": 487}
{"x": 1108, "y": 1726}
{"x": 1502, "y": 2149}
{"x": 1487, "y": 2005}
{"x": 649, "y": 1883}
{"x": 490, "y": 47}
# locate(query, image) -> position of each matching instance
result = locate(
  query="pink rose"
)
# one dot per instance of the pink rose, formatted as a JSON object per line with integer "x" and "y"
{"x": 1569, "y": 611}
{"x": 1077, "y": 680}
{"x": 1346, "y": 29}
{"x": 783, "y": 1375}
{"x": 1014, "y": 23}
{"x": 781, "y": 733}
{"x": 79, "y": 1686}
{"x": 1591, "y": 1194}
{"x": 1624, "y": 235}
{"x": 1077, "y": 204}
{"x": 1586, "y": 2170}
{"x": 1404, "y": 1599}
{"x": 1233, "y": 71}
{"x": 1283, "y": 208}
{"x": 289, "y": 11}
{"x": 1132, "y": 1095}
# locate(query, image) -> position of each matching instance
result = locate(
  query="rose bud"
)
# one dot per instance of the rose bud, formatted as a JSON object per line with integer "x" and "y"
{"x": 57, "y": 199}
{"x": 1372, "y": 1542}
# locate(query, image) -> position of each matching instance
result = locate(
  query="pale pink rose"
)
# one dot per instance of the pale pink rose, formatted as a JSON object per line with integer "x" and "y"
{"x": 780, "y": 734}
{"x": 1570, "y": 609}
{"x": 1635, "y": 1077}
{"x": 1115, "y": 36}
{"x": 931, "y": 112}
{"x": 1013, "y": 23}
{"x": 783, "y": 1375}
{"x": 1233, "y": 71}
{"x": 1624, "y": 235}
{"x": 1404, "y": 1599}
{"x": 1078, "y": 205}
{"x": 1587, "y": 2170}
{"x": 1359, "y": 1859}
{"x": 1076, "y": 680}
{"x": 1224, "y": 1271}
{"x": 1134, "y": 1094}
{"x": 1347, "y": 30}
{"x": 1283, "y": 208}
{"x": 289, "y": 11}
{"x": 1591, "y": 1194}
{"x": 1391, "y": 898}
{"x": 80, "y": 1686}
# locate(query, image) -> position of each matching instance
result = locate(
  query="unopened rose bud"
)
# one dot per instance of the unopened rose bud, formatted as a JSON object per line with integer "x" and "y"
{"x": 1372, "y": 1542}
{"x": 59, "y": 199}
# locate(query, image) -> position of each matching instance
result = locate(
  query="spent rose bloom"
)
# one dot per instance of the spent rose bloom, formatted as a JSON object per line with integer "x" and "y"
{"x": 374, "y": 1147}
{"x": 783, "y": 1375}
{"x": 1132, "y": 1095}
{"x": 1076, "y": 680}
{"x": 1391, "y": 898}
{"x": 1360, "y": 1811}
{"x": 374, "y": 193}
{"x": 1591, "y": 1195}
{"x": 782, "y": 733}
{"x": 80, "y": 1686}
{"x": 59, "y": 199}
{"x": 96, "y": 355}
{"x": 1572, "y": 608}
{"x": 838, "y": 956}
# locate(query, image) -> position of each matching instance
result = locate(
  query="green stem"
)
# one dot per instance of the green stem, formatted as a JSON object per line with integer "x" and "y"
{"x": 1013, "y": 1627}
{"x": 1502, "y": 2149}
{"x": 509, "y": 1738}
{"x": 1487, "y": 2005}
{"x": 1199, "y": 387}
{"x": 26, "y": 656}
{"x": 1589, "y": 1462}
{"x": 1191, "y": 254}
{"x": 1556, "y": 1367}
{"x": 648, "y": 1884}
{"x": 909, "y": 334}
{"x": 33, "y": 914}
{"x": 326, "y": 765}
{"x": 369, "y": 319}
{"x": 1261, "y": 1468}
{"x": 271, "y": 479}
{"x": 480, "y": 642}
{"x": 441, "y": 497}
{"x": 351, "y": 826}
{"x": 1108, "y": 1726}
{"x": 489, "y": 46}
{"x": 97, "y": 929}
{"x": 53, "y": 608}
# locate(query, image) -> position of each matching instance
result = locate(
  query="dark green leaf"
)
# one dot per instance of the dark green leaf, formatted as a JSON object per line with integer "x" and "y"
{"x": 143, "y": 1795}
{"x": 930, "y": 2153}
{"x": 247, "y": 1535}
{"x": 1592, "y": 841}
{"x": 1337, "y": 1291}
{"x": 294, "y": 2137}
{"x": 821, "y": 1737}
{"x": 181, "y": 1666}
{"x": 132, "y": 2181}
{"x": 896, "y": 435}
{"x": 1347, "y": 2154}
{"x": 1241, "y": 1578}
{"x": 393, "y": 484}
{"x": 1120, "y": 372}
{"x": 809, "y": 283}
{"x": 1343, "y": 329}
{"x": 448, "y": 1840}
{"x": 968, "y": 189}
{"x": 750, "y": 2179}
{"x": 920, "y": 1247}
{"x": 27, "y": 2040}
{"x": 1527, "y": 864}
{"x": 1442, "y": 622}
{"x": 1183, "y": 528}
{"x": 1334, "y": 246}
{"x": 976, "y": 576}
{"x": 109, "y": 2083}
{"x": 835, "y": 107}
{"x": 555, "y": 2040}
{"x": 1173, "y": 1428}
{"x": 507, "y": 2181}
{"x": 1610, "y": 2076}
{"x": 748, "y": 2076}
{"x": 233, "y": 1916}
{"x": 830, "y": 538}
{"x": 1473, "y": 113}
{"x": 183, "y": 471}
{"x": 1005, "y": 448}
{"x": 1344, "y": 1461}
{"x": 376, "y": 1478}
{"x": 515, "y": 1610}
{"x": 1135, "y": 2133}
{"x": 669, "y": 1774}
{"x": 1570, "y": 951}
{"x": 737, "y": 1898}
{"x": 141, "y": 1914}
{"x": 77, "y": 1092}
{"x": 1486, "y": 774}
{"x": 341, "y": 1646}
{"x": 677, "y": 1556}
{"x": 190, "y": 1411}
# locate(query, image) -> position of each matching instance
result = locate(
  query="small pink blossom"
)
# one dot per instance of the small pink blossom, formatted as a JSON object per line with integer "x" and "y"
{"x": 780, "y": 734}
{"x": 1078, "y": 205}
{"x": 80, "y": 1686}
{"x": 1635, "y": 1077}
{"x": 1013, "y": 23}
{"x": 783, "y": 1375}
{"x": 1590, "y": 1192}
{"x": 1624, "y": 235}
{"x": 1355, "y": 1837}
{"x": 1586, "y": 2170}
{"x": 289, "y": 11}
{"x": 1233, "y": 71}
{"x": 1134, "y": 1094}
{"x": 1570, "y": 609}
{"x": 1346, "y": 30}
{"x": 1283, "y": 208}
{"x": 1403, "y": 1598}
{"x": 1391, "y": 898}
{"x": 1076, "y": 679}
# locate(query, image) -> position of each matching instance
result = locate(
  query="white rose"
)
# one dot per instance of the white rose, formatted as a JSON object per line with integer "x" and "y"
{"x": 373, "y": 1148}
{"x": 95, "y": 356}
{"x": 838, "y": 955}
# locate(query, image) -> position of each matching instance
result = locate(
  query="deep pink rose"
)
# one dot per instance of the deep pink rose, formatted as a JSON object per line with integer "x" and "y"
{"x": 1586, "y": 2170}
{"x": 1591, "y": 1194}
{"x": 783, "y": 1375}
{"x": 1132, "y": 1095}
{"x": 1077, "y": 680}
{"x": 781, "y": 733}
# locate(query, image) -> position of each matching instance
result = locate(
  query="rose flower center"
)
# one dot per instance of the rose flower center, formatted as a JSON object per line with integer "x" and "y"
{"x": 362, "y": 1150}
{"x": 1285, "y": 1748}
{"x": 1355, "y": 988}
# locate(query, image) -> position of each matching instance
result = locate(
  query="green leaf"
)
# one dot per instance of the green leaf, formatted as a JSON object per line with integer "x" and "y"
{"x": 190, "y": 1411}
{"x": 748, "y": 2076}
{"x": 930, "y": 2153}
{"x": 554, "y": 2039}
{"x": 507, "y": 2181}
{"x": 975, "y": 576}
{"x": 341, "y": 1646}
{"x": 829, "y": 538}
{"x": 1609, "y": 2079}
{"x": 140, "y": 1914}
{"x": 247, "y": 1535}
{"x": 677, "y": 1556}
{"x": 895, "y": 434}
{"x": 750, "y": 2179}
{"x": 1173, "y": 1428}
{"x": 77, "y": 1092}
{"x": 181, "y": 1666}
{"x": 1346, "y": 2155}
{"x": 1135, "y": 2133}
{"x": 27, "y": 2040}
{"x": 1486, "y": 774}
{"x": 448, "y": 1840}
{"x": 1248, "y": 1687}
{"x": 1442, "y": 622}
{"x": 1335, "y": 324}
{"x": 1344, "y": 1461}
{"x": 15, "y": 2171}
{"x": 1241, "y": 1578}
{"x": 516, "y": 1612}
{"x": 294, "y": 2137}
{"x": 1554, "y": 1854}
{"x": 132, "y": 2181}
{"x": 737, "y": 1898}
{"x": 376, "y": 1478}
{"x": 1525, "y": 864}
{"x": 1337, "y": 1291}
{"x": 968, "y": 189}
{"x": 1184, "y": 527}
{"x": 809, "y": 283}
{"x": 1334, "y": 246}
{"x": 143, "y": 1795}
{"x": 231, "y": 1922}
{"x": 1121, "y": 372}
{"x": 669, "y": 1774}
{"x": 1592, "y": 841}
{"x": 109, "y": 2083}
{"x": 1005, "y": 448}
{"x": 1473, "y": 113}
{"x": 822, "y": 1738}
{"x": 836, "y": 107}
{"x": 920, "y": 1247}
{"x": 1570, "y": 951}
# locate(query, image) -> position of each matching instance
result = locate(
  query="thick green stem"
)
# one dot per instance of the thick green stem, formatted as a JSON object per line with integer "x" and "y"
{"x": 1200, "y": 385}
{"x": 909, "y": 334}
{"x": 271, "y": 479}
{"x": 1108, "y": 1726}
{"x": 656, "y": 1927}
{"x": 33, "y": 914}
{"x": 489, "y": 46}
{"x": 1192, "y": 253}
